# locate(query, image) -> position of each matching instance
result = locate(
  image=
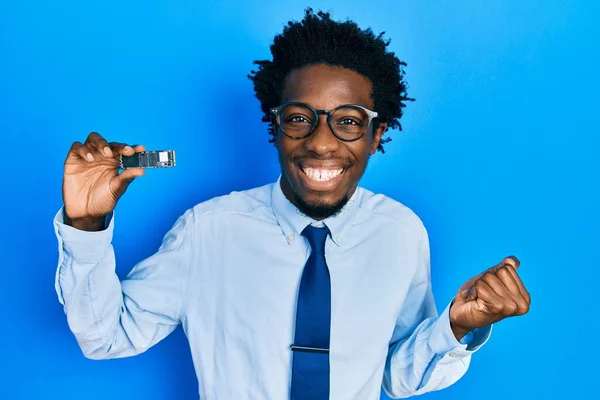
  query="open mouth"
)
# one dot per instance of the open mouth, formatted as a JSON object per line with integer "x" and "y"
{"x": 319, "y": 178}
{"x": 321, "y": 174}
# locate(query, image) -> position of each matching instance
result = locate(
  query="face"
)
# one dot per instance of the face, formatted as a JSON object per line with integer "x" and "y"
{"x": 320, "y": 173}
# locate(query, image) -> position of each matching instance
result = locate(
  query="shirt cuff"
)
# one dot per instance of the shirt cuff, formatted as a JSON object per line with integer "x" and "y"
{"x": 442, "y": 340}
{"x": 84, "y": 246}
{"x": 477, "y": 338}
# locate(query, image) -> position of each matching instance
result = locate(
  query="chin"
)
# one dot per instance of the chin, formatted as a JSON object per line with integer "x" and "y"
{"x": 319, "y": 189}
{"x": 320, "y": 209}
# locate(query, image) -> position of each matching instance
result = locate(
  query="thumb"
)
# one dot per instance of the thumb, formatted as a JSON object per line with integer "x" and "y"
{"x": 124, "y": 179}
{"x": 469, "y": 284}
{"x": 470, "y": 294}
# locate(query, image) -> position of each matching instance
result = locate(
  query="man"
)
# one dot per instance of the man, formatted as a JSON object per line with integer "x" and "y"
{"x": 308, "y": 288}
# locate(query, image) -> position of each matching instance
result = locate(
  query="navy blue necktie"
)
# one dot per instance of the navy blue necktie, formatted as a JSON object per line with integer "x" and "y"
{"x": 310, "y": 365}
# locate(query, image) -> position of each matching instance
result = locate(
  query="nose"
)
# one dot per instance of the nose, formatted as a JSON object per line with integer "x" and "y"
{"x": 322, "y": 141}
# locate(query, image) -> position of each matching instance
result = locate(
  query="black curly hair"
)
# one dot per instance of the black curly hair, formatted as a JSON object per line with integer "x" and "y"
{"x": 318, "y": 39}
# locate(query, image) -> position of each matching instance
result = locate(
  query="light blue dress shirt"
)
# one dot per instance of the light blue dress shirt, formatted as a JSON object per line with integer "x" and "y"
{"x": 229, "y": 272}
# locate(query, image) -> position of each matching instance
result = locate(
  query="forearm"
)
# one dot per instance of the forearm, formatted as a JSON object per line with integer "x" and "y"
{"x": 92, "y": 299}
{"x": 429, "y": 359}
{"x": 105, "y": 320}
{"x": 89, "y": 289}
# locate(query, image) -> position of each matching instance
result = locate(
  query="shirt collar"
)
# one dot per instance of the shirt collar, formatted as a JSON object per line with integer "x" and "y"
{"x": 292, "y": 222}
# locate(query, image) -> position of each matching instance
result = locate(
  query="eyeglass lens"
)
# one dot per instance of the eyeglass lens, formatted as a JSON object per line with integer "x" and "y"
{"x": 348, "y": 122}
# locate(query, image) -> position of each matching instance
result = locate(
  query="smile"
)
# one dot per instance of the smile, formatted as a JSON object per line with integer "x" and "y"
{"x": 320, "y": 174}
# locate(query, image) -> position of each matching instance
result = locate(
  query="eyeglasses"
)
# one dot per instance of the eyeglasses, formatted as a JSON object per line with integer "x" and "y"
{"x": 348, "y": 122}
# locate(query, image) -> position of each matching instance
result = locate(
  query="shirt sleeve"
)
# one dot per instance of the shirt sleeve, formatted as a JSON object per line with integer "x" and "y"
{"x": 112, "y": 318}
{"x": 424, "y": 355}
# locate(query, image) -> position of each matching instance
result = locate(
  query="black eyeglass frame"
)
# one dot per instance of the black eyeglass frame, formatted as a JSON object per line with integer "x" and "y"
{"x": 276, "y": 112}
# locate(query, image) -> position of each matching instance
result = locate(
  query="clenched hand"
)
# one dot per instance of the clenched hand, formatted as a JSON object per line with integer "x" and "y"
{"x": 489, "y": 297}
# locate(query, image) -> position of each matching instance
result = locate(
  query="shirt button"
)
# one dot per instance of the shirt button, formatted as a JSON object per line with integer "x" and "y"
{"x": 291, "y": 237}
{"x": 338, "y": 239}
{"x": 453, "y": 355}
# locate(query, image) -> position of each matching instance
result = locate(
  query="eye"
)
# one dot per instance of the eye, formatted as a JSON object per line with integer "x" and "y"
{"x": 296, "y": 119}
{"x": 349, "y": 121}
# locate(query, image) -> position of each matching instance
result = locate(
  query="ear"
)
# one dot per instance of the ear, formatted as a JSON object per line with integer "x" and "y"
{"x": 273, "y": 131}
{"x": 377, "y": 134}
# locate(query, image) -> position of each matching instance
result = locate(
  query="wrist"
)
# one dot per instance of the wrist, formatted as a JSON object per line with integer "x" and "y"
{"x": 459, "y": 332}
{"x": 90, "y": 224}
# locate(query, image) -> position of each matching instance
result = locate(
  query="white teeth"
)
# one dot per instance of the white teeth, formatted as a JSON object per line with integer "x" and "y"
{"x": 321, "y": 175}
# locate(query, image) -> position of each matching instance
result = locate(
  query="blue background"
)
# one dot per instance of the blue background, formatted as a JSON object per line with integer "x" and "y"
{"x": 498, "y": 156}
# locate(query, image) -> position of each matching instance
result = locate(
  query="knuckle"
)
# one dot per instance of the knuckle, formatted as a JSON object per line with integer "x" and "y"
{"x": 504, "y": 272}
{"x": 523, "y": 308}
{"x": 496, "y": 308}
{"x": 95, "y": 137}
{"x": 115, "y": 146}
{"x": 492, "y": 269}
{"x": 511, "y": 307}
{"x": 487, "y": 276}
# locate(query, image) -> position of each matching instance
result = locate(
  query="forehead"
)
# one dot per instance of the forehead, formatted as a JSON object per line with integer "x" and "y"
{"x": 326, "y": 87}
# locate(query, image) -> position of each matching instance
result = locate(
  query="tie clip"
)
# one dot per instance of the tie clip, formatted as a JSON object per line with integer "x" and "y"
{"x": 309, "y": 349}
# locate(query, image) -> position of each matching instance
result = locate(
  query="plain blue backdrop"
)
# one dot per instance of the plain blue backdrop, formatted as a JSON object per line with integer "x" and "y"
{"x": 498, "y": 156}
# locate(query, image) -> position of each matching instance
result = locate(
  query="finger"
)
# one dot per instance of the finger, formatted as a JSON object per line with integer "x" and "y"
{"x": 121, "y": 149}
{"x": 74, "y": 152}
{"x": 496, "y": 285}
{"x": 79, "y": 150}
{"x": 511, "y": 285}
{"x": 96, "y": 141}
{"x": 125, "y": 149}
{"x": 508, "y": 281}
{"x": 471, "y": 292}
{"x": 125, "y": 178}
{"x": 465, "y": 289}
{"x": 488, "y": 297}
{"x": 520, "y": 284}
{"x": 507, "y": 304}
{"x": 512, "y": 261}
